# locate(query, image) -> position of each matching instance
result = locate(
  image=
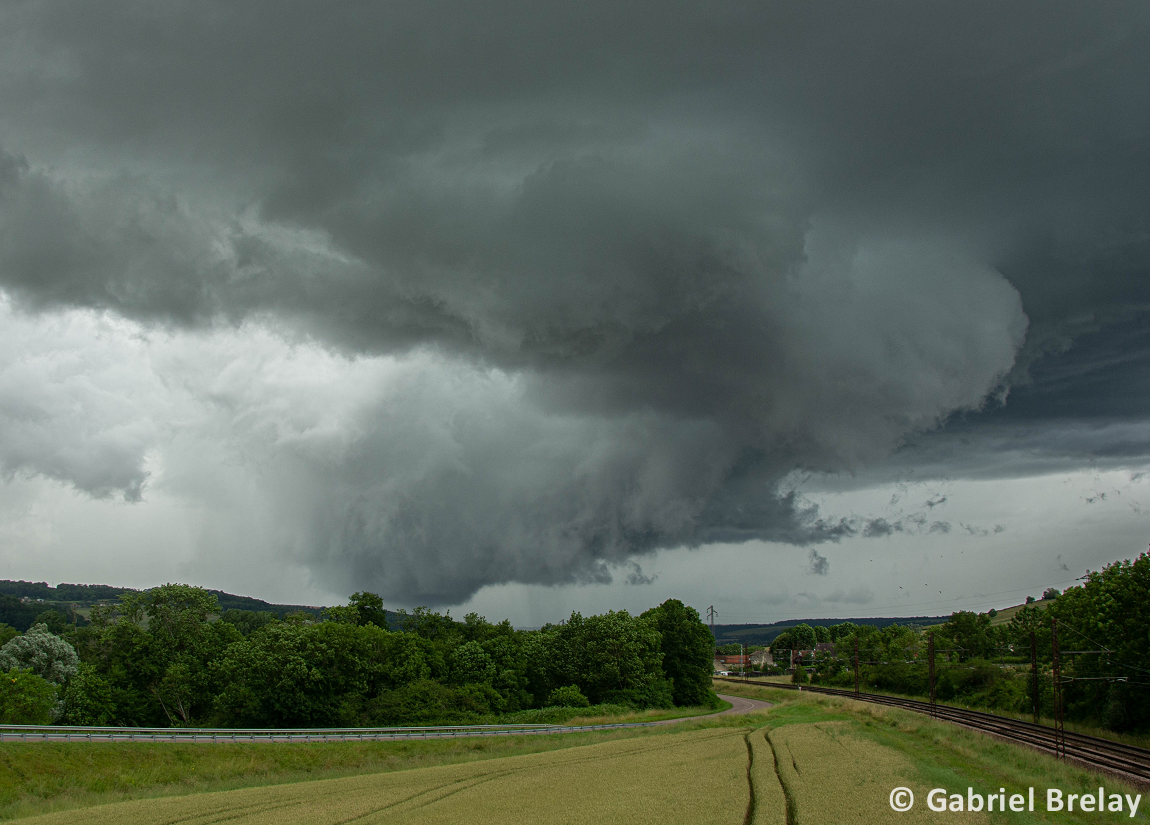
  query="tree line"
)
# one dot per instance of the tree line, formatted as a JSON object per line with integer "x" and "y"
{"x": 1103, "y": 631}
{"x": 169, "y": 657}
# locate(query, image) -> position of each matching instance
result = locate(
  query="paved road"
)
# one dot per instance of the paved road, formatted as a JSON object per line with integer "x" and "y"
{"x": 741, "y": 705}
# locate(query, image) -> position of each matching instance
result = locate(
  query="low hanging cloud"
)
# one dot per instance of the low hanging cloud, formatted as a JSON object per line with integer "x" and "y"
{"x": 448, "y": 297}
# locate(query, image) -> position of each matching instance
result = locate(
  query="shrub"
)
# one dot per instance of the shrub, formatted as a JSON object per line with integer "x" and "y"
{"x": 559, "y": 716}
{"x": 427, "y": 702}
{"x": 567, "y": 697}
{"x": 27, "y": 699}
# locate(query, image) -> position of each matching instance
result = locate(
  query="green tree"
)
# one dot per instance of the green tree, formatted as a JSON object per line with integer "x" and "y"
{"x": 567, "y": 697}
{"x": 41, "y": 652}
{"x": 803, "y": 637}
{"x": 425, "y": 622}
{"x": 369, "y": 609}
{"x": 248, "y": 621}
{"x": 784, "y": 642}
{"x": 613, "y": 657}
{"x": 471, "y": 664}
{"x": 183, "y": 645}
{"x": 88, "y": 699}
{"x": 314, "y": 675}
{"x": 7, "y": 634}
{"x": 155, "y": 650}
{"x": 1110, "y": 612}
{"x": 362, "y": 609}
{"x": 971, "y": 633}
{"x": 27, "y": 699}
{"x": 687, "y": 653}
{"x": 54, "y": 620}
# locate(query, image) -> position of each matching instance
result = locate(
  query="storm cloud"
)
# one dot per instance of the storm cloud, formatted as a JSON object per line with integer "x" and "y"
{"x": 473, "y": 294}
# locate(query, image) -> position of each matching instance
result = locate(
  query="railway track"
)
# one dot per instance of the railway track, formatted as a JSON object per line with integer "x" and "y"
{"x": 1129, "y": 762}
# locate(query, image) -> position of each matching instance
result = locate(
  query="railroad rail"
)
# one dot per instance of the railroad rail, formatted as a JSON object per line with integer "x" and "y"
{"x": 1127, "y": 761}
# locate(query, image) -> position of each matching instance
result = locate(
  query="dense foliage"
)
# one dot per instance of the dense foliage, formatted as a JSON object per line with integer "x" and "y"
{"x": 1103, "y": 639}
{"x": 170, "y": 657}
{"x": 41, "y": 652}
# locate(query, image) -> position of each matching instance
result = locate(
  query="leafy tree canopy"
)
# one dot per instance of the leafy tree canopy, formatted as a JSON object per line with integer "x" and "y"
{"x": 42, "y": 653}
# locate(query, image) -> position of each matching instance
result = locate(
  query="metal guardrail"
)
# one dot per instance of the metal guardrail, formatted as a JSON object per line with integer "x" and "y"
{"x": 76, "y": 733}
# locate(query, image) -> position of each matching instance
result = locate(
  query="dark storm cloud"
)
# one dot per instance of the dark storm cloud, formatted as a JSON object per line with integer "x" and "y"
{"x": 709, "y": 246}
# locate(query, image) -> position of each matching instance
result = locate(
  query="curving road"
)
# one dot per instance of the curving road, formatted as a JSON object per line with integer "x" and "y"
{"x": 741, "y": 705}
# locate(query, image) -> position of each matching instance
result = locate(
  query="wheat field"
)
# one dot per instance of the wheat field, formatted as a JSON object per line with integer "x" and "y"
{"x": 834, "y": 777}
{"x": 695, "y": 777}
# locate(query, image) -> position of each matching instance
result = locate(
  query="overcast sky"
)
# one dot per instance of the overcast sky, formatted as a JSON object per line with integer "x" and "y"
{"x": 796, "y": 309}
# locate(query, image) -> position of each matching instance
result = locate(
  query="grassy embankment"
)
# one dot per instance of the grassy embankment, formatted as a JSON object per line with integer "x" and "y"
{"x": 814, "y": 759}
{"x": 1139, "y": 740}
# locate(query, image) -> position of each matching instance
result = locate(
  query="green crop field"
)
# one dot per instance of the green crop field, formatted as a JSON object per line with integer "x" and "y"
{"x": 810, "y": 760}
{"x": 696, "y": 776}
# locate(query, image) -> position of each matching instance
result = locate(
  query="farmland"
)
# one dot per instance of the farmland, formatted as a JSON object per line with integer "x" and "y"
{"x": 696, "y": 776}
{"x": 810, "y": 759}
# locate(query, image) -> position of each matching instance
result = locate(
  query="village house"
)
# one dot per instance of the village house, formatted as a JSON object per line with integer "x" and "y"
{"x": 762, "y": 658}
{"x": 725, "y": 663}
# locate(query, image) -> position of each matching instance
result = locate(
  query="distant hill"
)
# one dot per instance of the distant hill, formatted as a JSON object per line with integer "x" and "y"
{"x": 229, "y": 601}
{"x": 19, "y": 614}
{"x": 764, "y": 634}
{"x": 83, "y": 594}
{"x": 1005, "y": 614}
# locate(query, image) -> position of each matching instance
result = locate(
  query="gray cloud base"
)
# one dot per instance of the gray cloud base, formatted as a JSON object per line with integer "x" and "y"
{"x": 650, "y": 260}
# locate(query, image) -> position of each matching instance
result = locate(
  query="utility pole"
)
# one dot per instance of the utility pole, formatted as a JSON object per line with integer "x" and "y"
{"x": 856, "y": 665}
{"x": 1059, "y": 725}
{"x": 930, "y": 671}
{"x": 1034, "y": 672}
{"x": 711, "y": 616}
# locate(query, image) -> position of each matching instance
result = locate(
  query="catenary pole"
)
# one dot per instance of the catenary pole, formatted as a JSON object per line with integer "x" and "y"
{"x": 856, "y": 664}
{"x": 1059, "y": 724}
{"x": 1034, "y": 672}
{"x": 930, "y": 671}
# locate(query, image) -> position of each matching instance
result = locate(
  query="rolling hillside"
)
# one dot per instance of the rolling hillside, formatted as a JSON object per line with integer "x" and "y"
{"x": 764, "y": 634}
